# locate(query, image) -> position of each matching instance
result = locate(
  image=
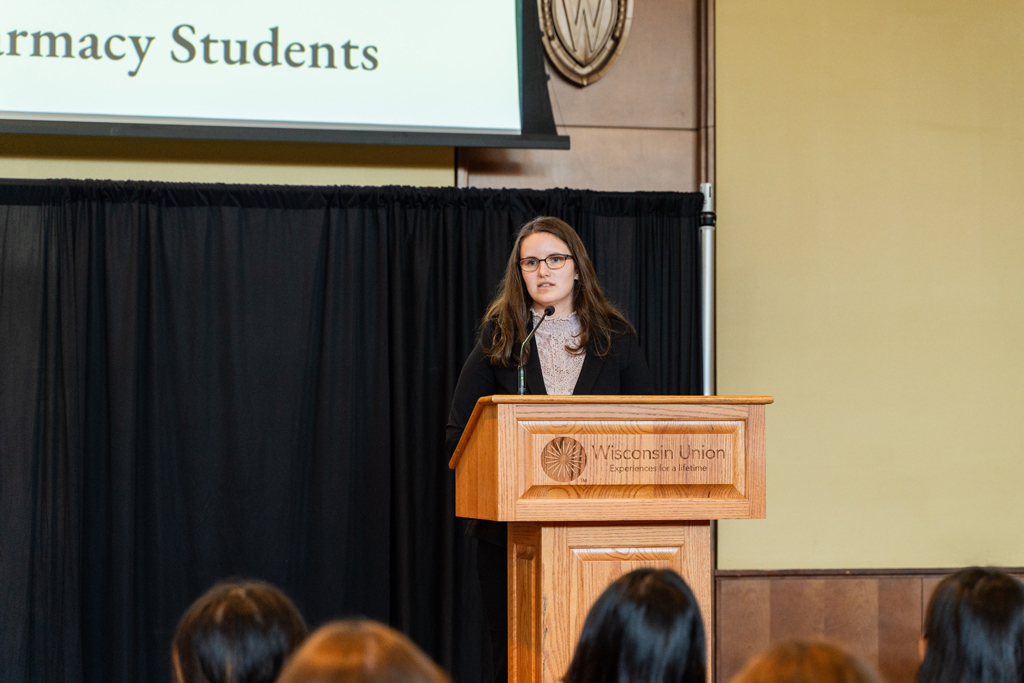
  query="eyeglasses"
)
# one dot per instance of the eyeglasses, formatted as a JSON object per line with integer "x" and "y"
{"x": 554, "y": 261}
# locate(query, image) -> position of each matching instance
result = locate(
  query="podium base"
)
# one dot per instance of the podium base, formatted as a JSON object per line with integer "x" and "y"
{"x": 557, "y": 571}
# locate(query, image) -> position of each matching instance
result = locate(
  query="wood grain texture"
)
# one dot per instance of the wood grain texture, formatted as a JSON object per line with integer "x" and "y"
{"x": 476, "y": 479}
{"x": 877, "y": 618}
{"x": 626, "y": 408}
{"x": 633, "y": 426}
{"x": 899, "y": 627}
{"x": 637, "y": 452}
{"x": 609, "y": 159}
{"x": 756, "y": 471}
{"x": 507, "y": 451}
{"x": 852, "y": 616}
{"x": 706, "y": 90}
{"x": 634, "y": 492}
{"x": 876, "y": 614}
{"x": 501, "y": 473}
{"x": 558, "y": 568}
{"x": 581, "y": 399}
{"x": 631, "y": 510}
{"x": 648, "y": 124}
{"x": 743, "y": 623}
{"x": 833, "y": 573}
{"x": 524, "y": 603}
{"x": 653, "y": 84}
{"x": 625, "y": 554}
{"x": 579, "y": 562}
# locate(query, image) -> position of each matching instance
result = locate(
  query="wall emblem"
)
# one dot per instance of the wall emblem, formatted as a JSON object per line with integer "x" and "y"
{"x": 583, "y": 38}
{"x": 563, "y": 459}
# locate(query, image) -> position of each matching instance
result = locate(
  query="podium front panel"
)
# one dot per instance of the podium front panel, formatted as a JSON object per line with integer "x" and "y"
{"x": 612, "y": 458}
{"x": 637, "y": 462}
{"x": 556, "y": 572}
{"x": 667, "y": 458}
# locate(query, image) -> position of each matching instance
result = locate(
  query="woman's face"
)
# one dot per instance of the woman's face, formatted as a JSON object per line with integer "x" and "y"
{"x": 548, "y": 286}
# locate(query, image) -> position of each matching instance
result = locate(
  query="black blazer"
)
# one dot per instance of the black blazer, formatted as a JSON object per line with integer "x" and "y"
{"x": 623, "y": 371}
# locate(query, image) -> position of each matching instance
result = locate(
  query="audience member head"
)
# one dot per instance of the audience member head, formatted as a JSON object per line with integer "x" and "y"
{"x": 974, "y": 629}
{"x": 360, "y": 651}
{"x": 238, "y": 632}
{"x": 645, "y": 628}
{"x": 798, "y": 661}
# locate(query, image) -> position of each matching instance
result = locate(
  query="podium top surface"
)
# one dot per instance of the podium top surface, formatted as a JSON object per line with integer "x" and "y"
{"x": 675, "y": 400}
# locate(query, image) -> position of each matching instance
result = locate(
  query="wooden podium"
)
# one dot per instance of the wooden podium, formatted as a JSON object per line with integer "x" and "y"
{"x": 596, "y": 486}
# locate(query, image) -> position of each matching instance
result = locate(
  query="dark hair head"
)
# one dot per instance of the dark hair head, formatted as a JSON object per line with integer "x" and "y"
{"x": 801, "y": 661}
{"x": 974, "y": 629}
{"x": 237, "y": 632}
{"x": 360, "y": 651}
{"x": 645, "y": 628}
{"x": 510, "y": 310}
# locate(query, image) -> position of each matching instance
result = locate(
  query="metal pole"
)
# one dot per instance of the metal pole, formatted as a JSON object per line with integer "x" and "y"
{"x": 707, "y": 290}
{"x": 707, "y": 343}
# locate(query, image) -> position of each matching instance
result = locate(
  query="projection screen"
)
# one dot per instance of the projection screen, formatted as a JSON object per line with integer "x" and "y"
{"x": 303, "y": 69}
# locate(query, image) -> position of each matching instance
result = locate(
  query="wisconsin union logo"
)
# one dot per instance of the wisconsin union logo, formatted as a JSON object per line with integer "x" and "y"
{"x": 584, "y": 37}
{"x": 563, "y": 459}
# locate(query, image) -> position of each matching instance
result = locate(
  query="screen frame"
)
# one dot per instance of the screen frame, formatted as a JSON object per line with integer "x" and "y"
{"x": 537, "y": 121}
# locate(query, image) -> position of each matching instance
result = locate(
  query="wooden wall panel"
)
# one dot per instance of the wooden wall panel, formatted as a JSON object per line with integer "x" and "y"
{"x": 743, "y": 623}
{"x": 796, "y": 608}
{"x": 653, "y": 84}
{"x": 899, "y": 627}
{"x": 876, "y": 617}
{"x": 647, "y": 125}
{"x": 615, "y": 159}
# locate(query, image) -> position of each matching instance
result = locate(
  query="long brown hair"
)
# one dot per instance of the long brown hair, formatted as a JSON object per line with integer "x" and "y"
{"x": 508, "y": 315}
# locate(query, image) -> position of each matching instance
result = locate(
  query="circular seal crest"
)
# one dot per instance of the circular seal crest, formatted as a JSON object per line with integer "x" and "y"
{"x": 563, "y": 459}
{"x": 583, "y": 38}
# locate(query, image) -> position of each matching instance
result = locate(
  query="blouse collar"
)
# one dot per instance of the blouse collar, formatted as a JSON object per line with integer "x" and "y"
{"x": 537, "y": 316}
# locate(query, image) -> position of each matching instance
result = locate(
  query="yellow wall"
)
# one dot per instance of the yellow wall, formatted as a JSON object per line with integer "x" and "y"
{"x": 42, "y": 156}
{"x": 871, "y": 276}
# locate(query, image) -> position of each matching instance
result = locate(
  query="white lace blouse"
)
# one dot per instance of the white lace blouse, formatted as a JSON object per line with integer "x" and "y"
{"x": 560, "y": 368}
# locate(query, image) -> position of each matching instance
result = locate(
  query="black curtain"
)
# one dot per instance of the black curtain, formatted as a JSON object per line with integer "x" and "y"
{"x": 203, "y": 381}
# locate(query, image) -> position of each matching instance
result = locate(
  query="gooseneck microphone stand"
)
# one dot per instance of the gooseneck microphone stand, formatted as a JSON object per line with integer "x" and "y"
{"x": 550, "y": 310}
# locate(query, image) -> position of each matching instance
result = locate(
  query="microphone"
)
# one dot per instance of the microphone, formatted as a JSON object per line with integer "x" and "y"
{"x": 550, "y": 310}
